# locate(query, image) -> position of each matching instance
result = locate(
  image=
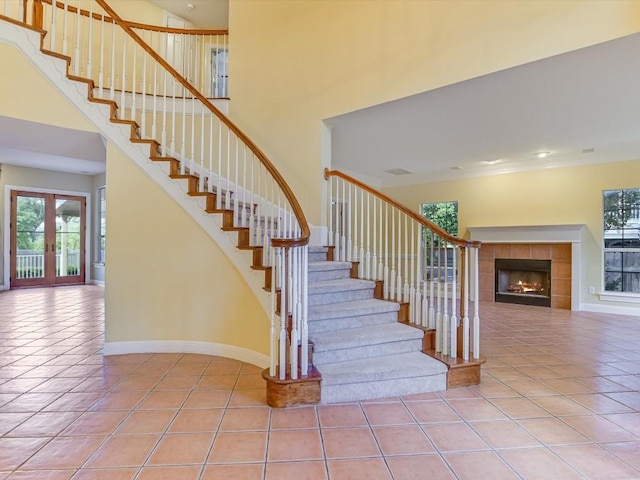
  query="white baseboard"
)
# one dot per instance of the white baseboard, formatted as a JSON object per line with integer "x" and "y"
{"x": 176, "y": 346}
{"x": 96, "y": 282}
{"x": 4, "y": 287}
{"x": 613, "y": 309}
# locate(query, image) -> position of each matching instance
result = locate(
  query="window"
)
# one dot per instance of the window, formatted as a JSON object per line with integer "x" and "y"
{"x": 622, "y": 240}
{"x": 102, "y": 224}
{"x": 443, "y": 214}
{"x": 438, "y": 258}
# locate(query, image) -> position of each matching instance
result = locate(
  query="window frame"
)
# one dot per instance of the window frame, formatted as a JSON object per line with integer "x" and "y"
{"x": 101, "y": 220}
{"x": 619, "y": 295}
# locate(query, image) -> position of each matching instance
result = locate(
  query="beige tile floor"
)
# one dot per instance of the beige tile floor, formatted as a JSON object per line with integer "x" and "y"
{"x": 559, "y": 399}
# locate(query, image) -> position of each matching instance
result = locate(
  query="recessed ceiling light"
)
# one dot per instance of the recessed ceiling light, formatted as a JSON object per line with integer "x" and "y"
{"x": 490, "y": 162}
{"x": 542, "y": 154}
{"x": 190, "y": 6}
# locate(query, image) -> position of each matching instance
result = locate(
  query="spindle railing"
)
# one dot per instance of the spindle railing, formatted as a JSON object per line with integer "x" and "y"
{"x": 185, "y": 129}
{"x": 200, "y": 56}
{"x": 419, "y": 263}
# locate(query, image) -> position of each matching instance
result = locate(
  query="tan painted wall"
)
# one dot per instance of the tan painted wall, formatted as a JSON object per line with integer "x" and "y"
{"x": 558, "y": 196}
{"x": 294, "y": 63}
{"x": 166, "y": 278}
{"x": 21, "y": 85}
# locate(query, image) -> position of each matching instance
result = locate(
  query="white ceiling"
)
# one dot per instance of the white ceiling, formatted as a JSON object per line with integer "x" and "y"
{"x": 36, "y": 145}
{"x": 567, "y": 104}
{"x": 205, "y": 14}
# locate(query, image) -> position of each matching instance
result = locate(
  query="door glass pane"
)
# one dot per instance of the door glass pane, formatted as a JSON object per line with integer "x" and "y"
{"x": 30, "y": 237}
{"x": 67, "y": 237}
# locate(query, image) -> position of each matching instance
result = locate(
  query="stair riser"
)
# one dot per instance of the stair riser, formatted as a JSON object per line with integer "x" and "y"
{"x": 338, "y": 297}
{"x": 322, "y": 275}
{"x": 317, "y": 257}
{"x": 349, "y": 392}
{"x": 358, "y": 321}
{"x": 367, "y": 351}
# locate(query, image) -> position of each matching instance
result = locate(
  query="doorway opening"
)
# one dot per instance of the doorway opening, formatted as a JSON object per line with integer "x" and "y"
{"x": 48, "y": 239}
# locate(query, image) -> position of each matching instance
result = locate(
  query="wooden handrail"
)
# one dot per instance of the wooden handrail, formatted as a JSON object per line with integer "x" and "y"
{"x": 72, "y": 9}
{"x": 142, "y": 26}
{"x": 186, "y": 31}
{"x": 418, "y": 218}
{"x": 303, "y": 239}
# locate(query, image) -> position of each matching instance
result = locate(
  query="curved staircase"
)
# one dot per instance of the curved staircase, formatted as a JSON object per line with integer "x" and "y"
{"x": 361, "y": 346}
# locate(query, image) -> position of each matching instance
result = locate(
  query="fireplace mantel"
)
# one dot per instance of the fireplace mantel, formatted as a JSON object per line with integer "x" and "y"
{"x": 571, "y": 233}
{"x": 549, "y": 234}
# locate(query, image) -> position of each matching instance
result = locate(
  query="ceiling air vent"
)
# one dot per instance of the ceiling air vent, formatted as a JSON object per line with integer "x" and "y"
{"x": 398, "y": 171}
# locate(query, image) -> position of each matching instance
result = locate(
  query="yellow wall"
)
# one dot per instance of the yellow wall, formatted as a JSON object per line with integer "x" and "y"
{"x": 166, "y": 278}
{"x": 557, "y": 196}
{"x": 294, "y": 63}
{"x": 27, "y": 95}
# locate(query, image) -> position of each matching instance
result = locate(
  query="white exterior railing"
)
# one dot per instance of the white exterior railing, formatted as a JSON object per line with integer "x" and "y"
{"x": 419, "y": 263}
{"x": 183, "y": 128}
{"x": 31, "y": 265}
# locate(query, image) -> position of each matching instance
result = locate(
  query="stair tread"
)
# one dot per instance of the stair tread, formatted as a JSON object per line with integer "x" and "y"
{"x": 351, "y": 309}
{"x": 364, "y": 336}
{"x": 340, "y": 285}
{"x": 385, "y": 367}
{"x": 317, "y": 249}
{"x": 328, "y": 265}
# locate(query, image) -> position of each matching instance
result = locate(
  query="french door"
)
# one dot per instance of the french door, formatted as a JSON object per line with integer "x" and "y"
{"x": 47, "y": 239}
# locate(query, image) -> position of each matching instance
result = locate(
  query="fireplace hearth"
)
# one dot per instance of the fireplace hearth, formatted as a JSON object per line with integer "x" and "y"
{"x": 523, "y": 281}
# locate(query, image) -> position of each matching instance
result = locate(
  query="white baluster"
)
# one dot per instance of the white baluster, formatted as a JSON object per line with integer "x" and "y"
{"x": 90, "y": 53}
{"x": 351, "y": 241}
{"x": 294, "y": 335}
{"x": 454, "y": 317}
{"x": 112, "y": 74}
{"x": 445, "y": 306}
{"x": 54, "y": 26}
{"x": 476, "y": 306}
{"x": 154, "y": 126}
{"x": 361, "y": 269}
{"x": 374, "y": 256}
{"x": 465, "y": 318}
{"x": 143, "y": 119}
{"x": 101, "y": 69}
{"x": 219, "y": 186}
{"x": 124, "y": 76}
{"x": 65, "y": 15}
{"x": 283, "y": 312}
{"x": 272, "y": 331}
{"x": 405, "y": 272}
{"x": 386, "y": 280}
{"x": 76, "y": 55}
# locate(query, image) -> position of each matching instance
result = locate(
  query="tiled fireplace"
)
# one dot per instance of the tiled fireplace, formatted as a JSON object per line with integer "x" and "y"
{"x": 535, "y": 246}
{"x": 558, "y": 253}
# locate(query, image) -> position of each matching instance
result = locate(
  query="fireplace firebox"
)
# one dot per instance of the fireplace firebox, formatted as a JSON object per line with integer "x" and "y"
{"x": 523, "y": 281}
